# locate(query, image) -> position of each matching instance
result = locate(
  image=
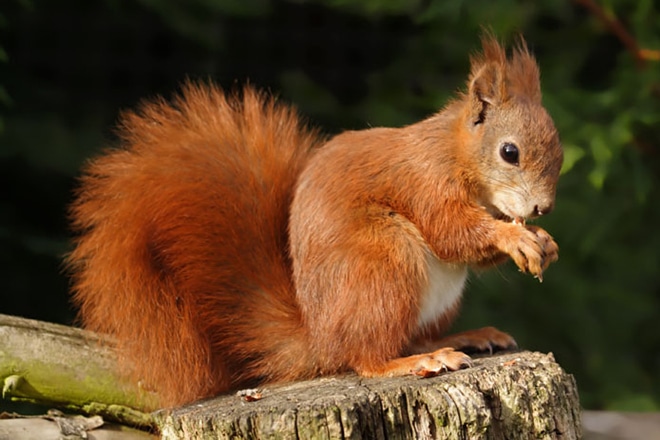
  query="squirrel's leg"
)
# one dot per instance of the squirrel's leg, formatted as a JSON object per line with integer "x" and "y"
{"x": 426, "y": 364}
{"x": 433, "y": 285}
{"x": 361, "y": 301}
{"x": 443, "y": 354}
{"x": 486, "y": 339}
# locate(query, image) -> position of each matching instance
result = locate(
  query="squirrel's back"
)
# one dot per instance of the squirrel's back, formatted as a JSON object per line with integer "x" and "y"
{"x": 189, "y": 218}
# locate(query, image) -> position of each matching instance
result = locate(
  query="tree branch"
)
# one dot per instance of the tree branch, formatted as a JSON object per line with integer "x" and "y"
{"x": 66, "y": 367}
{"x": 640, "y": 55}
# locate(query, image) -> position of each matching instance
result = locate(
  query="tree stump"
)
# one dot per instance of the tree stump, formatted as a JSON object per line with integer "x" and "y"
{"x": 508, "y": 396}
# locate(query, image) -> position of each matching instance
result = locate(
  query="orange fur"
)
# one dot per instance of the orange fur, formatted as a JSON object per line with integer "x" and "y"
{"x": 183, "y": 254}
{"x": 222, "y": 248}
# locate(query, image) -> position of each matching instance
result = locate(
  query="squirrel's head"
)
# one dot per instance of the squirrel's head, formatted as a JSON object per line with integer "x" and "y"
{"x": 512, "y": 138}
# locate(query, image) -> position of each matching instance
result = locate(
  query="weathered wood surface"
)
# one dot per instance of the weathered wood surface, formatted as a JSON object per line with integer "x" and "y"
{"x": 509, "y": 396}
{"x": 66, "y": 367}
{"x": 513, "y": 395}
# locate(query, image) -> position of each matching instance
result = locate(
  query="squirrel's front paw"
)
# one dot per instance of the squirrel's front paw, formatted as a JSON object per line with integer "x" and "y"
{"x": 549, "y": 247}
{"x": 530, "y": 247}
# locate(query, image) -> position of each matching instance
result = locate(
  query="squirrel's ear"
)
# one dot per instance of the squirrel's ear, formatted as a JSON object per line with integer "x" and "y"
{"x": 486, "y": 89}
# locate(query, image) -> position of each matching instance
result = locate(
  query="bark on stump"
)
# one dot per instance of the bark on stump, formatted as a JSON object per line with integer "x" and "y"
{"x": 508, "y": 396}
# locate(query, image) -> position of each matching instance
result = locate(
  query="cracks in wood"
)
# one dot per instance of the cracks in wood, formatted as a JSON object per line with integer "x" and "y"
{"x": 295, "y": 426}
{"x": 461, "y": 422}
{"x": 494, "y": 405}
{"x": 493, "y": 400}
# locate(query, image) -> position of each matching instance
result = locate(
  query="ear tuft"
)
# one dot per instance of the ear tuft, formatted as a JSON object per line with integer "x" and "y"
{"x": 523, "y": 73}
{"x": 487, "y": 83}
{"x": 494, "y": 79}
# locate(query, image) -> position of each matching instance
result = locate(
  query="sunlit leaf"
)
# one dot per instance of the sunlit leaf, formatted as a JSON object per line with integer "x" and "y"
{"x": 572, "y": 153}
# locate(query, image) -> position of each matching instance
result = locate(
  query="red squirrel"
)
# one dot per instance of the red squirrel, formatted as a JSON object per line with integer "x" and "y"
{"x": 226, "y": 244}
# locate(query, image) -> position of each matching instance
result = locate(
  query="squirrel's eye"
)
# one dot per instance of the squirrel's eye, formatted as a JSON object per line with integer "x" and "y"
{"x": 509, "y": 153}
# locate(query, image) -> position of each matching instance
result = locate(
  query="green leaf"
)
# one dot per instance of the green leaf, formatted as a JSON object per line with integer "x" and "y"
{"x": 572, "y": 154}
{"x": 602, "y": 156}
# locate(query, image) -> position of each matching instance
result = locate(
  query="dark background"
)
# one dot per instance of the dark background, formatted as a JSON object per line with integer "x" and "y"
{"x": 68, "y": 67}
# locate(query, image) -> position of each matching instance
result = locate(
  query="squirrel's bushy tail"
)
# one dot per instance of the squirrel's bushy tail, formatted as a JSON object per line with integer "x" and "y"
{"x": 181, "y": 252}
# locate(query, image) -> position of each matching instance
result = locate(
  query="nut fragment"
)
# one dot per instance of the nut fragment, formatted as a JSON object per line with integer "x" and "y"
{"x": 250, "y": 394}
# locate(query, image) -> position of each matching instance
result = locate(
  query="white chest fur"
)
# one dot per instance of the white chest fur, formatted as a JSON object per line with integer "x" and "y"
{"x": 445, "y": 285}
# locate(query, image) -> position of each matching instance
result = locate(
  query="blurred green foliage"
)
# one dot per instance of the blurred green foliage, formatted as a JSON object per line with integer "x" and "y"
{"x": 70, "y": 66}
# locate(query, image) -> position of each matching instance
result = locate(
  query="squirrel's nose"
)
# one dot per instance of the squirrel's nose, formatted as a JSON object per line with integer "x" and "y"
{"x": 544, "y": 209}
